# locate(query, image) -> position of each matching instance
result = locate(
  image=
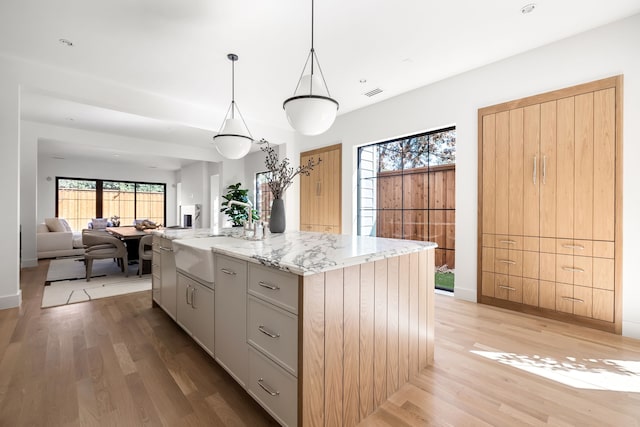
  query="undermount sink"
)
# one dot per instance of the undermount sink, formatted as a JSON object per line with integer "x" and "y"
{"x": 194, "y": 256}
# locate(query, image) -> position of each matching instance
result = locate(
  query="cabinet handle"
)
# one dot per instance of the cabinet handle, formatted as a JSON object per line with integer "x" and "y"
{"x": 544, "y": 169}
{"x": 229, "y": 272}
{"x": 162, "y": 248}
{"x": 507, "y": 261}
{"x": 508, "y": 242}
{"x": 268, "y": 286}
{"x": 193, "y": 298}
{"x": 573, "y": 269}
{"x": 266, "y": 388}
{"x": 267, "y": 332}
{"x": 509, "y": 288}
{"x": 535, "y": 169}
{"x": 186, "y": 294}
{"x": 573, "y": 299}
{"x": 155, "y": 265}
{"x": 578, "y": 247}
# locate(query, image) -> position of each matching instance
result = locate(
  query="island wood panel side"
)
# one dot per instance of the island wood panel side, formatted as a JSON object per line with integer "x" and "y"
{"x": 334, "y": 347}
{"x": 365, "y": 331}
{"x": 351, "y": 384}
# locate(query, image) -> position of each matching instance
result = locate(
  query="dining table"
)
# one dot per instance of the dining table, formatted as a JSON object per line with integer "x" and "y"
{"x": 131, "y": 236}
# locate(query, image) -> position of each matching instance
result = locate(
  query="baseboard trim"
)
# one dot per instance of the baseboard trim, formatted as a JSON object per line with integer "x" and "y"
{"x": 631, "y": 329}
{"x": 28, "y": 263}
{"x": 465, "y": 294}
{"x": 11, "y": 301}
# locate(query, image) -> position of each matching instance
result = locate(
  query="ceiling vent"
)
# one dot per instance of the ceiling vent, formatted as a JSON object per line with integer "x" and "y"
{"x": 373, "y": 92}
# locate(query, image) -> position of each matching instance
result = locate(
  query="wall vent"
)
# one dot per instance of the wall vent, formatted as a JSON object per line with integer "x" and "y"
{"x": 373, "y": 92}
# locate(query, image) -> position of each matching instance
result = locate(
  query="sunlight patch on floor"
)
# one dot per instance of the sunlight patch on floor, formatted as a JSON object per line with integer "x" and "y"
{"x": 591, "y": 374}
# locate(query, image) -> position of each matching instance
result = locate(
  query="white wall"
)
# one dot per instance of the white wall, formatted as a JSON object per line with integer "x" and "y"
{"x": 196, "y": 188}
{"x": 600, "y": 53}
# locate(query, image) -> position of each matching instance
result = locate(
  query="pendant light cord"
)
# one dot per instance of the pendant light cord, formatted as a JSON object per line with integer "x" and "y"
{"x": 312, "y": 49}
{"x": 233, "y": 89}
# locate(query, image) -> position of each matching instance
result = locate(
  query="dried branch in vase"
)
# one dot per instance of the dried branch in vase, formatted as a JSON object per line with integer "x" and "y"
{"x": 281, "y": 173}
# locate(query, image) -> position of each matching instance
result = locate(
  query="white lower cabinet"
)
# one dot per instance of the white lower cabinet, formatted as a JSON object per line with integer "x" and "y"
{"x": 231, "y": 316}
{"x": 195, "y": 311}
{"x": 272, "y": 387}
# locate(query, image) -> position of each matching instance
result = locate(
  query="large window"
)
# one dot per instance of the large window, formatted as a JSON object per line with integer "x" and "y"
{"x": 264, "y": 198}
{"x": 406, "y": 190}
{"x": 80, "y": 200}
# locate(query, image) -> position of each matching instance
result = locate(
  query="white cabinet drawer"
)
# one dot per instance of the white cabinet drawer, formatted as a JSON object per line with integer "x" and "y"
{"x": 273, "y": 388}
{"x": 278, "y": 287}
{"x": 275, "y": 332}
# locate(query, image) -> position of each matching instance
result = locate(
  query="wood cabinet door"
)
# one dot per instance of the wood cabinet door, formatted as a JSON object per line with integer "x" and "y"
{"x": 321, "y": 191}
{"x": 583, "y": 173}
{"x": 502, "y": 173}
{"x": 565, "y": 155}
{"x": 532, "y": 171}
{"x": 516, "y": 176}
{"x": 604, "y": 188}
{"x": 548, "y": 149}
{"x": 489, "y": 174}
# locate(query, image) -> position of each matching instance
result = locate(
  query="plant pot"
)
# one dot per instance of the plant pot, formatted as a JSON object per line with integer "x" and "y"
{"x": 278, "y": 221}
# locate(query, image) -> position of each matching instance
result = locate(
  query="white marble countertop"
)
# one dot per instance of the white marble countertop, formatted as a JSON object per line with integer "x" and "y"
{"x": 304, "y": 253}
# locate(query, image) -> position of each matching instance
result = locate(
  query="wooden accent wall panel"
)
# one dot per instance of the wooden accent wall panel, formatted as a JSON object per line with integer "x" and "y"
{"x": 604, "y": 136}
{"x": 364, "y": 332}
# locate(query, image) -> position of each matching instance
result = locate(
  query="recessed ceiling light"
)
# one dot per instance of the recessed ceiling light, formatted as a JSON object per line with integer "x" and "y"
{"x": 65, "y": 42}
{"x": 363, "y": 80}
{"x": 116, "y": 155}
{"x": 528, "y": 8}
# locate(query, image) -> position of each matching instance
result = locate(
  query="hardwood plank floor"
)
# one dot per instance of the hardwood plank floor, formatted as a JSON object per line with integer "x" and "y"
{"x": 117, "y": 361}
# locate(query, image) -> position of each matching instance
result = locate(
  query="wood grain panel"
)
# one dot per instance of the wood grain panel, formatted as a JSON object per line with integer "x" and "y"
{"x": 393, "y": 300}
{"x": 532, "y": 171}
{"x": 583, "y": 304}
{"x": 312, "y": 362}
{"x": 403, "y": 319}
{"x": 604, "y": 137}
{"x": 530, "y": 290}
{"x": 351, "y": 392}
{"x": 547, "y": 294}
{"x": 422, "y": 308}
{"x": 516, "y": 158}
{"x": 367, "y": 318}
{"x": 380, "y": 334}
{"x": 583, "y": 213}
{"x": 489, "y": 173}
{"x": 413, "y": 315}
{"x": 502, "y": 173}
{"x": 565, "y": 155}
{"x": 429, "y": 272}
{"x": 334, "y": 347}
{"x": 488, "y": 284}
{"x": 603, "y": 305}
{"x": 548, "y": 151}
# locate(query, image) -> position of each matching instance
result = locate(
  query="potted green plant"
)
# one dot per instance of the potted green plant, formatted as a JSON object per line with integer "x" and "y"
{"x": 238, "y": 215}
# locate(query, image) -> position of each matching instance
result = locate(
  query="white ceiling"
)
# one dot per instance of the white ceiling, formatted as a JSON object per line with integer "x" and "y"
{"x": 178, "y": 50}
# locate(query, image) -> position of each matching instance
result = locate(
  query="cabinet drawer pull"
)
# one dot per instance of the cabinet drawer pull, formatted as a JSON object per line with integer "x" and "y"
{"x": 508, "y": 242}
{"x": 573, "y": 269}
{"x": 268, "y": 286}
{"x": 162, "y": 248}
{"x": 267, "y": 332}
{"x": 578, "y": 247}
{"x": 229, "y": 272}
{"x": 509, "y": 288}
{"x": 573, "y": 299}
{"x": 193, "y": 298}
{"x": 266, "y": 388}
{"x": 507, "y": 261}
{"x": 155, "y": 265}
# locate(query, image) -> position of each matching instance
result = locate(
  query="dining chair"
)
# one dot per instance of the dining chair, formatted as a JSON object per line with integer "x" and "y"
{"x": 101, "y": 245}
{"x": 145, "y": 251}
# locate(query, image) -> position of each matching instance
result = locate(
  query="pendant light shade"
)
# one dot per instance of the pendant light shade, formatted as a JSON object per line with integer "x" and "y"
{"x": 233, "y": 141}
{"x": 311, "y": 110}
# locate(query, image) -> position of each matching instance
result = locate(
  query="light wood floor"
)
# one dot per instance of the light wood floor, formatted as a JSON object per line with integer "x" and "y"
{"x": 117, "y": 361}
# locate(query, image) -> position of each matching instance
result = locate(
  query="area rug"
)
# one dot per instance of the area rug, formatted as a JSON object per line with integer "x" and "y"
{"x": 73, "y": 269}
{"x": 74, "y": 291}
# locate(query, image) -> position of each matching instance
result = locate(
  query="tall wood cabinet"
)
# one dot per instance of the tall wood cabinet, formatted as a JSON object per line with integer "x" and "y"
{"x": 550, "y": 204}
{"x": 321, "y": 191}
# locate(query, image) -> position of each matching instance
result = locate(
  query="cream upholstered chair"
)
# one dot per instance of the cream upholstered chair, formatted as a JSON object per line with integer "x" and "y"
{"x": 101, "y": 245}
{"x": 145, "y": 251}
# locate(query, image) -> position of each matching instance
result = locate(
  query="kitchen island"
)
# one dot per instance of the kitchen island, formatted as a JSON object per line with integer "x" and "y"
{"x": 320, "y": 329}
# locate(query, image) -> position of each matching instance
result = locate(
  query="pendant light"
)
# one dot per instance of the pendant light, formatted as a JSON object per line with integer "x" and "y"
{"x": 311, "y": 110}
{"x": 233, "y": 141}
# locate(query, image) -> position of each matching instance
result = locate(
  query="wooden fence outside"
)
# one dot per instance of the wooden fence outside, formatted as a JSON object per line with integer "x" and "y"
{"x": 419, "y": 204}
{"x": 78, "y": 207}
